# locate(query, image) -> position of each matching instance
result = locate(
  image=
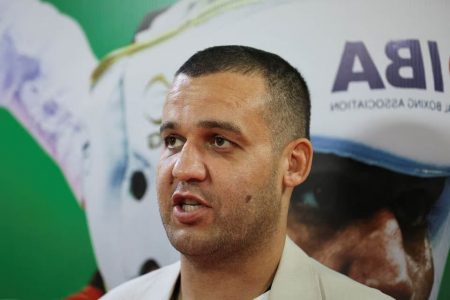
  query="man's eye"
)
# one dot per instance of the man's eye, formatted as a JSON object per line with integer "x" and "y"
{"x": 220, "y": 142}
{"x": 173, "y": 142}
{"x": 412, "y": 208}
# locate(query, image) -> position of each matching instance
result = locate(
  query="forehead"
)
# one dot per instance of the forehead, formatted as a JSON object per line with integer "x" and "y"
{"x": 224, "y": 92}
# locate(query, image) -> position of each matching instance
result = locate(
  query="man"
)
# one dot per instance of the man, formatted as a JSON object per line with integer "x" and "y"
{"x": 387, "y": 212}
{"x": 235, "y": 127}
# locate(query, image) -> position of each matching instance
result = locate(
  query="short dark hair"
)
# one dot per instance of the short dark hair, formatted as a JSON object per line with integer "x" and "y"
{"x": 289, "y": 105}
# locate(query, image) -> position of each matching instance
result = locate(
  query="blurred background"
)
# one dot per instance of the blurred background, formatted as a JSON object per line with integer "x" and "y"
{"x": 45, "y": 252}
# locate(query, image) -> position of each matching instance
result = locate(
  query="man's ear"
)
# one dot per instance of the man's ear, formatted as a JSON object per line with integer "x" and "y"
{"x": 299, "y": 159}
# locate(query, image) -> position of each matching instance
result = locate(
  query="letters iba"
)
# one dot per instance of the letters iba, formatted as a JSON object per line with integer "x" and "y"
{"x": 357, "y": 50}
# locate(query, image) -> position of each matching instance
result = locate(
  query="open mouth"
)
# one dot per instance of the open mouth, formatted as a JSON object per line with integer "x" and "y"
{"x": 189, "y": 208}
{"x": 188, "y": 202}
{"x": 189, "y": 205}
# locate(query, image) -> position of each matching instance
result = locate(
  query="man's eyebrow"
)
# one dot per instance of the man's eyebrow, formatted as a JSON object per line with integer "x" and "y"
{"x": 167, "y": 125}
{"x": 210, "y": 124}
{"x": 220, "y": 125}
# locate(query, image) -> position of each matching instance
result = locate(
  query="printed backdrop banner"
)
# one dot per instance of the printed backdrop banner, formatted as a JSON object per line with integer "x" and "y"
{"x": 376, "y": 206}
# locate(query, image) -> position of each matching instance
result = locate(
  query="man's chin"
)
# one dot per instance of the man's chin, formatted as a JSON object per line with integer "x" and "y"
{"x": 193, "y": 244}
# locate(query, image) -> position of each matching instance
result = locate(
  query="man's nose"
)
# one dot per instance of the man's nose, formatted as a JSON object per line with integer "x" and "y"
{"x": 189, "y": 165}
{"x": 379, "y": 259}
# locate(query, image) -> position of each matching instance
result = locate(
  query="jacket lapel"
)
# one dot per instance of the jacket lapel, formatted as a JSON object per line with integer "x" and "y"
{"x": 295, "y": 277}
{"x": 164, "y": 285}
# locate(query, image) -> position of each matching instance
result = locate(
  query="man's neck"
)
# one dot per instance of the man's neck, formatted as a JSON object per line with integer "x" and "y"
{"x": 243, "y": 276}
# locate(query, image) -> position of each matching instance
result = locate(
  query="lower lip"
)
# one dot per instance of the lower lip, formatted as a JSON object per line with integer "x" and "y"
{"x": 189, "y": 217}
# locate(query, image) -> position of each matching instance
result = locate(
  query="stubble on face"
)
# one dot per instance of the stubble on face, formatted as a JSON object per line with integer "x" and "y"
{"x": 244, "y": 194}
{"x": 249, "y": 220}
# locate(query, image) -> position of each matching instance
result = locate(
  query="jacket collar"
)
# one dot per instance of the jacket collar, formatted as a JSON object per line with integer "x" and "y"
{"x": 295, "y": 277}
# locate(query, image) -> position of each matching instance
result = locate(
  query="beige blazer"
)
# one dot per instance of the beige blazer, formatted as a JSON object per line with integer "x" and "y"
{"x": 298, "y": 277}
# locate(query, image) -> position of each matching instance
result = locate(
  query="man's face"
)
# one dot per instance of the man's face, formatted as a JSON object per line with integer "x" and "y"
{"x": 368, "y": 223}
{"x": 218, "y": 185}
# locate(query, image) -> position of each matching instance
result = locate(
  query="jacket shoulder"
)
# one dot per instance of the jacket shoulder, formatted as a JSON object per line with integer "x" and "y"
{"x": 334, "y": 285}
{"x": 158, "y": 284}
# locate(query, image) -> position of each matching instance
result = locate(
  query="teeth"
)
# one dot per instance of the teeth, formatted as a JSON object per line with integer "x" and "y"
{"x": 190, "y": 207}
{"x": 190, "y": 202}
